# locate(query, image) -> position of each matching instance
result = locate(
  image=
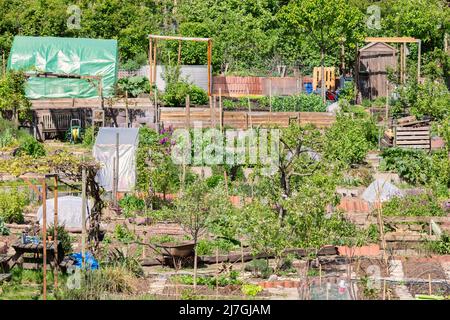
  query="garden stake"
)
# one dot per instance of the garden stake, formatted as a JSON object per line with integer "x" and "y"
{"x": 429, "y": 284}
{"x": 44, "y": 237}
{"x": 217, "y": 273}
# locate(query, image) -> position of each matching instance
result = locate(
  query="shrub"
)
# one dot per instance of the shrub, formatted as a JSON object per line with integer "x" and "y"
{"x": 123, "y": 234}
{"x": 175, "y": 94}
{"x": 414, "y": 205}
{"x": 131, "y": 204}
{"x": 88, "y": 136}
{"x": 419, "y": 168}
{"x": 301, "y": 102}
{"x": 31, "y": 147}
{"x": 442, "y": 246}
{"x": 63, "y": 237}
{"x": 259, "y": 267}
{"x": 4, "y": 231}
{"x": 119, "y": 259}
{"x": 134, "y": 85}
{"x": 251, "y": 289}
{"x": 12, "y": 205}
{"x": 349, "y": 140}
{"x": 97, "y": 284}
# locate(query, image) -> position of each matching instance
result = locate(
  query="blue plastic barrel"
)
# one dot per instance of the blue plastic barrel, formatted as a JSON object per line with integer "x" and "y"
{"x": 308, "y": 87}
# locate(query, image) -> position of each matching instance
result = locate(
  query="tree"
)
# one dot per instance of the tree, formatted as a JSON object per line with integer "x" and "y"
{"x": 12, "y": 94}
{"x": 198, "y": 210}
{"x": 327, "y": 23}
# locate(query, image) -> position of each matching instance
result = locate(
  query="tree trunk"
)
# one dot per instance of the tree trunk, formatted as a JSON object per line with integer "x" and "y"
{"x": 322, "y": 76}
{"x": 16, "y": 118}
{"x": 195, "y": 266}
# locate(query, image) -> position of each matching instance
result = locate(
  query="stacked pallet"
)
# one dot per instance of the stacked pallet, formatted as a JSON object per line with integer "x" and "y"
{"x": 412, "y": 133}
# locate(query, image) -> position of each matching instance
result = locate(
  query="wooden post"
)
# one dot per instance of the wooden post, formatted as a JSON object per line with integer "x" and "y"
{"x": 179, "y": 52}
{"x": 270, "y": 96}
{"x": 156, "y": 115}
{"x": 117, "y": 170}
{"x": 242, "y": 257}
{"x": 217, "y": 273}
{"x": 430, "y": 291}
{"x": 188, "y": 112}
{"x": 320, "y": 275}
{"x": 322, "y": 71}
{"x": 126, "y": 108}
{"x": 114, "y": 191}
{"x": 209, "y": 66}
{"x": 150, "y": 61}
{"x": 83, "y": 216}
{"x": 419, "y": 55}
{"x": 220, "y": 109}
{"x": 44, "y": 236}
{"x": 225, "y": 176}
{"x": 249, "y": 109}
{"x": 55, "y": 228}
{"x": 212, "y": 112}
{"x": 154, "y": 62}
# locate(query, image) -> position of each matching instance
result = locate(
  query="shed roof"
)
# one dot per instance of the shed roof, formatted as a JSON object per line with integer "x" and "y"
{"x": 107, "y": 136}
{"x": 377, "y": 46}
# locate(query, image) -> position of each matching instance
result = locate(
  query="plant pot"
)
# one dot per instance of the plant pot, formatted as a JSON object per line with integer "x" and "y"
{"x": 269, "y": 284}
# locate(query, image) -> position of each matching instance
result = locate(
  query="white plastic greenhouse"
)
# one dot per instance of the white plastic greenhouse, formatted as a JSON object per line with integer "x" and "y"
{"x": 105, "y": 152}
{"x": 69, "y": 212}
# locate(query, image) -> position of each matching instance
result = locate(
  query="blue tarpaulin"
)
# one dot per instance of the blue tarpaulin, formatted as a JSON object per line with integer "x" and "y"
{"x": 91, "y": 262}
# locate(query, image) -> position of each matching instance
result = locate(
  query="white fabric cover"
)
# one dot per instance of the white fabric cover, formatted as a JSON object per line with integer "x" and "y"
{"x": 383, "y": 189}
{"x": 104, "y": 151}
{"x": 69, "y": 212}
{"x": 334, "y": 107}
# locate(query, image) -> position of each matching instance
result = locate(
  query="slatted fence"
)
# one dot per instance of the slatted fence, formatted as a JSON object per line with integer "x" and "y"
{"x": 179, "y": 117}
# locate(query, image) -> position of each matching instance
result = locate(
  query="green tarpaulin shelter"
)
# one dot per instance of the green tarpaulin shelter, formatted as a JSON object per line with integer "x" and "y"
{"x": 66, "y": 56}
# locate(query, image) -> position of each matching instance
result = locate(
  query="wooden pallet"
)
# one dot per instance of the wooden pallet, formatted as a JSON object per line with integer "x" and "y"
{"x": 412, "y": 137}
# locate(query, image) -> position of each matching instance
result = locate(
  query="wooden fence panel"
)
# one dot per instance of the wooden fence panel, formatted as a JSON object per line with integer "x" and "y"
{"x": 176, "y": 117}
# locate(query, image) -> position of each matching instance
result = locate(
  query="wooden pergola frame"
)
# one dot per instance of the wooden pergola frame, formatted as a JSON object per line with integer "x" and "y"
{"x": 43, "y": 194}
{"x": 153, "y": 39}
{"x": 403, "y": 41}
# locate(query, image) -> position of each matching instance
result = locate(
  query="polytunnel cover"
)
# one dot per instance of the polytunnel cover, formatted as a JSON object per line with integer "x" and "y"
{"x": 381, "y": 189}
{"x": 105, "y": 152}
{"x": 69, "y": 212}
{"x": 68, "y": 56}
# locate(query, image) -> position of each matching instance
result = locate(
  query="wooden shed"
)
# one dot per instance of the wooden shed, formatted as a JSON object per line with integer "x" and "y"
{"x": 373, "y": 62}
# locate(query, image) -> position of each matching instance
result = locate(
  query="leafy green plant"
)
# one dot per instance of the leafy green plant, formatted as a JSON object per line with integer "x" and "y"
{"x": 300, "y": 102}
{"x": 259, "y": 267}
{"x": 134, "y": 86}
{"x": 349, "y": 139}
{"x": 123, "y": 234}
{"x": 31, "y": 147}
{"x": 250, "y": 289}
{"x": 414, "y": 205}
{"x": 88, "y": 136}
{"x": 442, "y": 246}
{"x": 131, "y": 204}
{"x": 419, "y": 168}
{"x": 4, "y": 230}
{"x": 64, "y": 237}
{"x": 117, "y": 258}
{"x": 12, "y": 205}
